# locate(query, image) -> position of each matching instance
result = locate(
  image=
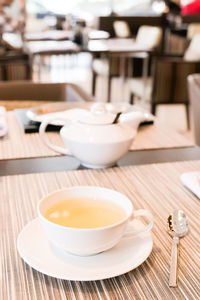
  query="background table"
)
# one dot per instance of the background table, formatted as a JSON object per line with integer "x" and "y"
{"x": 154, "y": 187}
{"x": 59, "y": 35}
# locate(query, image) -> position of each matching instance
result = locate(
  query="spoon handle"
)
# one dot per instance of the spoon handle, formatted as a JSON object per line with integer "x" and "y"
{"x": 174, "y": 263}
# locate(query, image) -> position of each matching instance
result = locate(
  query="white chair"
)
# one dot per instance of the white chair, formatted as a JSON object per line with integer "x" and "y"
{"x": 168, "y": 81}
{"x": 194, "y": 95}
{"x": 192, "y": 53}
{"x": 148, "y": 37}
{"x": 121, "y": 29}
{"x": 137, "y": 86}
{"x": 192, "y": 30}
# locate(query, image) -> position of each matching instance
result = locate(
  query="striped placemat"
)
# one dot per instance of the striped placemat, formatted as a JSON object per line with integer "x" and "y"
{"x": 159, "y": 137}
{"x": 154, "y": 187}
{"x": 16, "y": 144}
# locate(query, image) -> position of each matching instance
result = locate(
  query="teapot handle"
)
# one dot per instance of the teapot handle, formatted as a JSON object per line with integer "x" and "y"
{"x": 44, "y": 138}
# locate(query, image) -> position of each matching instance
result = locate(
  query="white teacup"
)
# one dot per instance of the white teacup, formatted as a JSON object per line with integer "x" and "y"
{"x": 90, "y": 241}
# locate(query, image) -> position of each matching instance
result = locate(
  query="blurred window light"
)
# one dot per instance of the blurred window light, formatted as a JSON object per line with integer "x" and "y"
{"x": 159, "y": 6}
{"x": 185, "y": 2}
{"x": 96, "y": 7}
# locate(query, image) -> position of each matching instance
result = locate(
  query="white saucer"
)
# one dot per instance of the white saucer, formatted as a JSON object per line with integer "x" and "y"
{"x": 128, "y": 254}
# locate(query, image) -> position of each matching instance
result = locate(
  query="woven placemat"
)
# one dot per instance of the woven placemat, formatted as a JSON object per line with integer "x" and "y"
{"x": 16, "y": 144}
{"x": 153, "y": 187}
{"x": 158, "y": 136}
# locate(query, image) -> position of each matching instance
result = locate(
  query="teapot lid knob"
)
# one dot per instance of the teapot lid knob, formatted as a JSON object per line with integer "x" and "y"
{"x": 98, "y": 115}
{"x": 98, "y": 109}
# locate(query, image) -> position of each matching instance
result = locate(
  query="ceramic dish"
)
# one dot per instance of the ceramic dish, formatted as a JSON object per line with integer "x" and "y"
{"x": 60, "y": 110}
{"x": 128, "y": 254}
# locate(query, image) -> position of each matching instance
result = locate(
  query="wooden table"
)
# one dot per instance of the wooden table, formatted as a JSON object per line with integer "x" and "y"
{"x": 153, "y": 143}
{"x": 116, "y": 45}
{"x": 48, "y": 35}
{"x": 154, "y": 187}
{"x": 60, "y": 35}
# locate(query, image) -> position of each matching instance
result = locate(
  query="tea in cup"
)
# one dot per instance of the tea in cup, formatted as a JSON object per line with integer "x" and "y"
{"x": 86, "y": 220}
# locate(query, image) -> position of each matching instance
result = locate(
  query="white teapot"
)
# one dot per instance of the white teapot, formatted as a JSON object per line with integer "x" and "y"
{"x": 94, "y": 139}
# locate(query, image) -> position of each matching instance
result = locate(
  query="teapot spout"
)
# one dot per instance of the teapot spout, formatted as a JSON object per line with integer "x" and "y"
{"x": 134, "y": 118}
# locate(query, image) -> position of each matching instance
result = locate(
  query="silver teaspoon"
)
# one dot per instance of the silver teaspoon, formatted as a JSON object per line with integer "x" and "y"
{"x": 177, "y": 227}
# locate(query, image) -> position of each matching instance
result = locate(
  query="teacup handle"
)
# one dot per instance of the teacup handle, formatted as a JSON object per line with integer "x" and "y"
{"x": 148, "y": 227}
{"x": 44, "y": 138}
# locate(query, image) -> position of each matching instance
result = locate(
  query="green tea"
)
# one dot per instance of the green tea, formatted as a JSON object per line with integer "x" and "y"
{"x": 85, "y": 213}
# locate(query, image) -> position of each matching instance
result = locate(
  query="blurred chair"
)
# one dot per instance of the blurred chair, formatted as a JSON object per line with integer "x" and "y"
{"x": 193, "y": 51}
{"x": 122, "y": 29}
{"x": 15, "y": 66}
{"x": 194, "y": 96}
{"x": 168, "y": 81}
{"x": 15, "y": 94}
{"x": 13, "y": 41}
{"x": 147, "y": 37}
{"x": 192, "y": 30}
{"x": 134, "y": 22}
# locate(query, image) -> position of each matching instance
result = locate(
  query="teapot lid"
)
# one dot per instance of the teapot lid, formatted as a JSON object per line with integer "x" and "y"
{"x": 97, "y": 116}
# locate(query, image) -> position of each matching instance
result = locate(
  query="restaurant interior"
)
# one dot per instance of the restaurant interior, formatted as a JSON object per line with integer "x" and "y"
{"x": 99, "y": 149}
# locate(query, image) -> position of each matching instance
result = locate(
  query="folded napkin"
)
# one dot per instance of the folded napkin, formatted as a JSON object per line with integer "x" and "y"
{"x": 3, "y": 122}
{"x": 192, "y": 181}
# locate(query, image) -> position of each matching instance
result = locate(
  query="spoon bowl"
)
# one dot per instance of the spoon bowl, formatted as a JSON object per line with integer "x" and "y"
{"x": 177, "y": 223}
{"x": 177, "y": 227}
